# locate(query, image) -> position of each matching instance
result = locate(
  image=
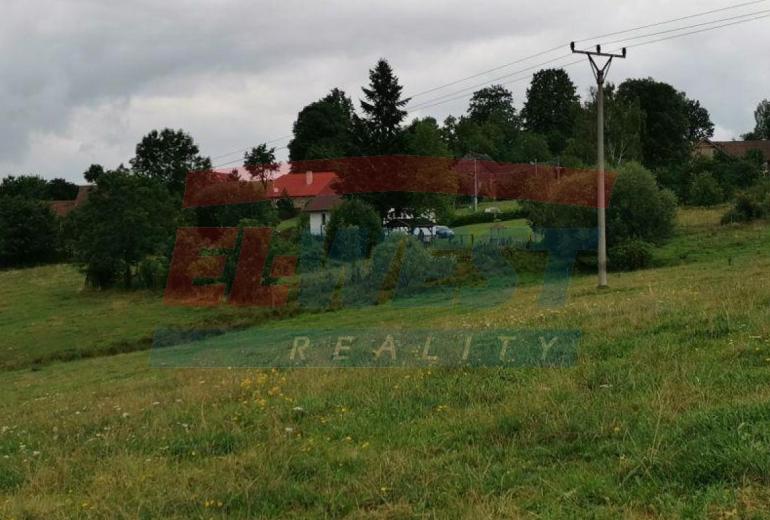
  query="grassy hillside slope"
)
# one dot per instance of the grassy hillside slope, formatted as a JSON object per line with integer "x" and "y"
{"x": 666, "y": 414}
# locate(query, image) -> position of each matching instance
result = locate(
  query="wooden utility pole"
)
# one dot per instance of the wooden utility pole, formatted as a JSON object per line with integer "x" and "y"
{"x": 600, "y": 73}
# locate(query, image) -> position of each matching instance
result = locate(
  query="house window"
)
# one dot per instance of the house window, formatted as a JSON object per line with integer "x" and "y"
{"x": 323, "y": 219}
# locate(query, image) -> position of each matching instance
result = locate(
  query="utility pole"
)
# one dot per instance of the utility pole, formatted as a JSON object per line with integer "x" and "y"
{"x": 476, "y": 157}
{"x": 475, "y": 186}
{"x": 600, "y": 73}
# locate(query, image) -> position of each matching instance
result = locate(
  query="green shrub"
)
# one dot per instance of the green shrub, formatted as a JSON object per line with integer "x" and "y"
{"x": 638, "y": 208}
{"x": 482, "y": 218}
{"x": 746, "y": 207}
{"x": 750, "y": 204}
{"x": 359, "y": 214}
{"x": 705, "y": 190}
{"x": 153, "y": 272}
{"x": 285, "y": 207}
{"x": 489, "y": 259}
{"x": 316, "y": 289}
{"x": 402, "y": 263}
{"x": 102, "y": 271}
{"x": 349, "y": 244}
{"x": 311, "y": 253}
{"x": 736, "y": 173}
{"x": 471, "y": 218}
{"x": 28, "y": 232}
{"x": 629, "y": 255}
{"x": 730, "y": 173}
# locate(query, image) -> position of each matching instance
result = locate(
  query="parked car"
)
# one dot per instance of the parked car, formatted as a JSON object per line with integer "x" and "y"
{"x": 444, "y": 232}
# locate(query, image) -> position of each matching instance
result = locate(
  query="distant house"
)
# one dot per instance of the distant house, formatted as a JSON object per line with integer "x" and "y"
{"x": 737, "y": 149}
{"x": 320, "y": 210}
{"x": 301, "y": 188}
{"x": 62, "y": 208}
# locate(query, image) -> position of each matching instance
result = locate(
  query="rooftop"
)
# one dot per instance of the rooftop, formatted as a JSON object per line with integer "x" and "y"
{"x": 738, "y": 148}
{"x": 300, "y": 185}
{"x": 323, "y": 203}
{"x": 63, "y": 207}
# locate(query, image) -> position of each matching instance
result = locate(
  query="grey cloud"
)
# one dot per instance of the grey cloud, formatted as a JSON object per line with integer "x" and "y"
{"x": 63, "y": 62}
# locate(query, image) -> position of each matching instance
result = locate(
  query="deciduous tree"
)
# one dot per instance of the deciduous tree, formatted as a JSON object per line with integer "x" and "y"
{"x": 28, "y": 231}
{"x": 261, "y": 164}
{"x": 700, "y": 124}
{"x": 490, "y": 125}
{"x": 61, "y": 189}
{"x": 666, "y": 129}
{"x": 323, "y": 129}
{"x": 762, "y": 122}
{"x": 127, "y": 217}
{"x": 623, "y": 122}
{"x": 551, "y": 107}
{"x": 93, "y": 173}
{"x": 424, "y": 137}
{"x": 26, "y": 186}
{"x": 168, "y": 156}
{"x": 494, "y": 104}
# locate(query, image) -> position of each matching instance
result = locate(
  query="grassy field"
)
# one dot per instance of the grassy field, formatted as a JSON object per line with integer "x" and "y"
{"x": 517, "y": 228}
{"x": 666, "y": 414}
{"x": 288, "y": 223}
{"x": 502, "y": 205}
{"x": 46, "y": 315}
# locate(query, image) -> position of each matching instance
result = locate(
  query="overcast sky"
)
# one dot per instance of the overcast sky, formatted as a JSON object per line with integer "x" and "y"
{"x": 84, "y": 80}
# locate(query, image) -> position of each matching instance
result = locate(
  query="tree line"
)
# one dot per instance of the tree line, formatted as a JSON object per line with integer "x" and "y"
{"x": 124, "y": 234}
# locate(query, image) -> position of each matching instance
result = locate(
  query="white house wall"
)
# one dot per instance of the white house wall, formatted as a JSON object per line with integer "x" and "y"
{"x": 317, "y": 222}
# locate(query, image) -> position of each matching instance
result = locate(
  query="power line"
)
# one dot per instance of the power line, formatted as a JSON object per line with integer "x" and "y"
{"x": 245, "y": 149}
{"x": 429, "y": 102}
{"x": 465, "y": 92}
{"x": 765, "y": 11}
{"x": 552, "y": 49}
{"x": 441, "y": 101}
{"x": 241, "y": 160}
{"x": 698, "y": 31}
{"x": 455, "y": 82}
{"x": 695, "y": 15}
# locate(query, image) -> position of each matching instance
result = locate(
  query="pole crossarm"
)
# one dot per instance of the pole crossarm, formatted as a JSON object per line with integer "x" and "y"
{"x": 599, "y": 72}
{"x": 598, "y": 52}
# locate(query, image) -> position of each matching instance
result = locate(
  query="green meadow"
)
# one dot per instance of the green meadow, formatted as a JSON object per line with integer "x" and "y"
{"x": 517, "y": 228}
{"x": 665, "y": 414}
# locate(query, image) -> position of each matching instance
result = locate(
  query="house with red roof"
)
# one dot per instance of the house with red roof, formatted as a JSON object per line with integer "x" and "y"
{"x": 301, "y": 188}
